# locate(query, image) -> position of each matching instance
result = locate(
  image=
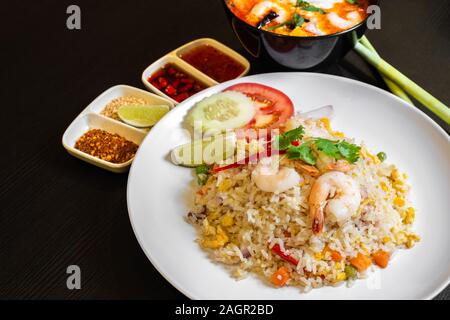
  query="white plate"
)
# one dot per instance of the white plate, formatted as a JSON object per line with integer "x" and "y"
{"x": 157, "y": 194}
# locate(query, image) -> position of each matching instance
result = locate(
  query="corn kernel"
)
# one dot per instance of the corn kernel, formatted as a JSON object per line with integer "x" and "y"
{"x": 410, "y": 216}
{"x": 363, "y": 248}
{"x": 395, "y": 175}
{"x": 319, "y": 256}
{"x": 227, "y": 220}
{"x": 225, "y": 185}
{"x": 411, "y": 240}
{"x": 341, "y": 276}
{"x": 386, "y": 239}
{"x": 398, "y": 201}
{"x": 337, "y": 266}
{"x": 400, "y": 238}
{"x": 384, "y": 187}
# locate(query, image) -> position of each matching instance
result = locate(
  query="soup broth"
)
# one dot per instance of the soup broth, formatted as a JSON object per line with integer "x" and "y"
{"x": 301, "y": 18}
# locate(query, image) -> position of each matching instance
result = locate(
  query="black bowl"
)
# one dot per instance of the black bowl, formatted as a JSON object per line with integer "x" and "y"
{"x": 299, "y": 53}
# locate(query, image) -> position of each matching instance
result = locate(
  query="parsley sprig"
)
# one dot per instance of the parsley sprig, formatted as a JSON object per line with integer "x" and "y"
{"x": 306, "y": 151}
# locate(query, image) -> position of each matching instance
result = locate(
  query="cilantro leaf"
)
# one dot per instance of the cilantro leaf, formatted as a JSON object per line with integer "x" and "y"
{"x": 349, "y": 151}
{"x": 338, "y": 150}
{"x": 352, "y": 1}
{"x": 202, "y": 169}
{"x": 328, "y": 147}
{"x": 295, "y": 134}
{"x": 303, "y": 152}
{"x": 284, "y": 141}
{"x": 305, "y": 5}
{"x": 298, "y": 20}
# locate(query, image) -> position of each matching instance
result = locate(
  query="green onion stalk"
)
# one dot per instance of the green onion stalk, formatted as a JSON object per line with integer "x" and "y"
{"x": 409, "y": 86}
{"x": 395, "y": 89}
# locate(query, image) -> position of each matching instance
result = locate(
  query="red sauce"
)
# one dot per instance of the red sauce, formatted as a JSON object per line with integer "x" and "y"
{"x": 214, "y": 63}
{"x": 175, "y": 83}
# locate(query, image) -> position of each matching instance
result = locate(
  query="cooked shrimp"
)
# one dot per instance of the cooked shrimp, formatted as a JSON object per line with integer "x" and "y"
{"x": 339, "y": 165}
{"x": 263, "y": 8}
{"x": 270, "y": 178}
{"x": 352, "y": 19}
{"x": 335, "y": 193}
{"x": 302, "y": 167}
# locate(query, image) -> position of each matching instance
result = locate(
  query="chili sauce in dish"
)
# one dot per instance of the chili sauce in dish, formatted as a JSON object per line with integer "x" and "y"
{"x": 301, "y": 18}
{"x": 214, "y": 63}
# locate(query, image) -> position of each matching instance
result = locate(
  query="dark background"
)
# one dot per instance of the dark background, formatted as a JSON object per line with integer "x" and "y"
{"x": 56, "y": 210}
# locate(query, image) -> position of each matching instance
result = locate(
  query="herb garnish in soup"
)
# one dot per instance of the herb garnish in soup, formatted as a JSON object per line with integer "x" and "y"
{"x": 301, "y": 18}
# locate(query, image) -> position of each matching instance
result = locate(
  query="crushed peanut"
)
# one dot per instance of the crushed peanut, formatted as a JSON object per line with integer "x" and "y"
{"x": 111, "y": 108}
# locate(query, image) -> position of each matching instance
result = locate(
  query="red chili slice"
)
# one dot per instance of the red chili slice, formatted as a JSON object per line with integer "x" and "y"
{"x": 277, "y": 249}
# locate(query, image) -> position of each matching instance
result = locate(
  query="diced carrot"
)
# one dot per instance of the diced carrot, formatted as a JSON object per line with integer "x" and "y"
{"x": 361, "y": 262}
{"x": 381, "y": 258}
{"x": 335, "y": 255}
{"x": 280, "y": 277}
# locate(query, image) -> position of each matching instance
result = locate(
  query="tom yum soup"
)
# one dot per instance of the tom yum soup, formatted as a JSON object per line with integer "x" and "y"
{"x": 301, "y": 18}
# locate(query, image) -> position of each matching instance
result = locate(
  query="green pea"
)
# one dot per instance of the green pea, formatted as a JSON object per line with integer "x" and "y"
{"x": 382, "y": 156}
{"x": 350, "y": 272}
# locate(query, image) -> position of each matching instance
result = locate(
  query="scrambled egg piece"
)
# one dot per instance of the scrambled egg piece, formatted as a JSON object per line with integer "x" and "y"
{"x": 365, "y": 154}
{"x": 327, "y": 126}
{"x": 227, "y": 220}
{"x": 218, "y": 241}
{"x": 225, "y": 185}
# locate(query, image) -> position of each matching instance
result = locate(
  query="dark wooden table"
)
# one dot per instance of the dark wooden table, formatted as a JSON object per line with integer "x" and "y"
{"x": 58, "y": 211}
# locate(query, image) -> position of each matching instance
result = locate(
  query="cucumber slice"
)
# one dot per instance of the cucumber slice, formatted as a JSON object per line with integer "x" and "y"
{"x": 214, "y": 149}
{"x": 225, "y": 110}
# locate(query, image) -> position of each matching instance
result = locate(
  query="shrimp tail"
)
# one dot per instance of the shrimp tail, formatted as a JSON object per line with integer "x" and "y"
{"x": 318, "y": 220}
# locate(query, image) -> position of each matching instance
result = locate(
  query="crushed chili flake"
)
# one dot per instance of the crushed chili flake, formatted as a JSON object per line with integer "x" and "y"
{"x": 106, "y": 146}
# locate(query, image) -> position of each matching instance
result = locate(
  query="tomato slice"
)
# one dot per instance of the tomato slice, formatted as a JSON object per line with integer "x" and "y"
{"x": 273, "y": 107}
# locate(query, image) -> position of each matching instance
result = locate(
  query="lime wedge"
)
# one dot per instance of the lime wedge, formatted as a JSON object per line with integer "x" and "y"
{"x": 142, "y": 116}
{"x": 210, "y": 150}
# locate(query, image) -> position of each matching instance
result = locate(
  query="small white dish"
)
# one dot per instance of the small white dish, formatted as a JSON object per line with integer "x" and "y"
{"x": 90, "y": 118}
{"x": 94, "y": 121}
{"x": 217, "y": 45}
{"x": 118, "y": 91}
{"x": 174, "y": 57}
{"x": 182, "y": 65}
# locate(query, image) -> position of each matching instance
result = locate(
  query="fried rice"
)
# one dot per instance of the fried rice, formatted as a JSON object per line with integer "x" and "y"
{"x": 239, "y": 225}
